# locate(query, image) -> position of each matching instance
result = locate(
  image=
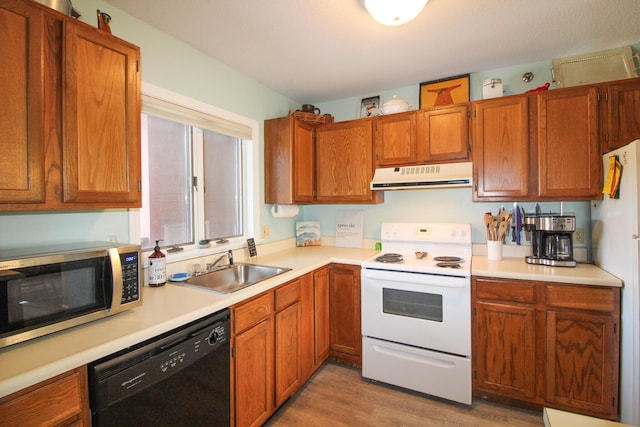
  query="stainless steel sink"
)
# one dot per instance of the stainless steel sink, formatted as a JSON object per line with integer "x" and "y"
{"x": 235, "y": 277}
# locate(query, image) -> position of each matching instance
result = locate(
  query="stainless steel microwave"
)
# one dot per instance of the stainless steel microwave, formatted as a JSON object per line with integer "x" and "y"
{"x": 49, "y": 289}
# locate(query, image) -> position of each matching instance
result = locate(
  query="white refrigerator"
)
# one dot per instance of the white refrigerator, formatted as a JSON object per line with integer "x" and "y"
{"x": 615, "y": 229}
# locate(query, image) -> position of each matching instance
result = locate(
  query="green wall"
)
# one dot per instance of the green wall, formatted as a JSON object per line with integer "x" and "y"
{"x": 171, "y": 64}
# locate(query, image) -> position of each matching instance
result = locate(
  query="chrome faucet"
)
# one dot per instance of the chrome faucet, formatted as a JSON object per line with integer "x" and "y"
{"x": 214, "y": 264}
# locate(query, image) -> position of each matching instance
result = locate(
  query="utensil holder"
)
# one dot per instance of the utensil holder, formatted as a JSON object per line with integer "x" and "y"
{"x": 494, "y": 250}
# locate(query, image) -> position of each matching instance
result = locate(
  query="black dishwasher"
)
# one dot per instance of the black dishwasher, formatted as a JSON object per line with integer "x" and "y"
{"x": 181, "y": 378}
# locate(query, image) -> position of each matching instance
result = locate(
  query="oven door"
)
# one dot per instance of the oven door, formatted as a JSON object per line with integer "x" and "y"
{"x": 423, "y": 310}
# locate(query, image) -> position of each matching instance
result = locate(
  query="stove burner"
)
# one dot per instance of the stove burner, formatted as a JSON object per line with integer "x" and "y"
{"x": 390, "y": 258}
{"x": 450, "y": 259}
{"x": 448, "y": 264}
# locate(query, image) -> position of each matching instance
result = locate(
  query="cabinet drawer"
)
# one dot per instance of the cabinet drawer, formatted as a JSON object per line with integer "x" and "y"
{"x": 251, "y": 313}
{"x": 58, "y": 401}
{"x": 287, "y": 294}
{"x": 582, "y": 297}
{"x": 498, "y": 290}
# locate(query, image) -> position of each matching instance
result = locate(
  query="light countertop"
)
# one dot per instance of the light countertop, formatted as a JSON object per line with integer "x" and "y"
{"x": 517, "y": 268}
{"x": 163, "y": 309}
{"x": 556, "y": 418}
{"x": 173, "y": 305}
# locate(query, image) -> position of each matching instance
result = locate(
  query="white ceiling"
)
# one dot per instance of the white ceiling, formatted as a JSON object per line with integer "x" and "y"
{"x": 319, "y": 50}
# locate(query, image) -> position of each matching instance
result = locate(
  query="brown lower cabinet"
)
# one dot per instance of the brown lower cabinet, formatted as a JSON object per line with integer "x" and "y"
{"x": 344, "y": 304}
{"x": 253, "y": 352}
{"x": 281, "y": 337}
{"x": 320, "y": 312}
{"x": 546, "y": 344}
{"x": 59, "y": 401}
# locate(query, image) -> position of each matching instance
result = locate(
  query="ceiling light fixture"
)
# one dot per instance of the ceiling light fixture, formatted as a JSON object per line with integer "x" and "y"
{"x": 394, "y": 12}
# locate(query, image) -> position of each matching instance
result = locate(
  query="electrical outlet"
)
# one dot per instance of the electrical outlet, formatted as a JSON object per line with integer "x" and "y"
{"x": 266, "y": 231}
{"x": 578, "y": 235}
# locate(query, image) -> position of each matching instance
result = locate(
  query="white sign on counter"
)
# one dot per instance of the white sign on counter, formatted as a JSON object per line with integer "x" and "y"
{"x": 349, "y": 229}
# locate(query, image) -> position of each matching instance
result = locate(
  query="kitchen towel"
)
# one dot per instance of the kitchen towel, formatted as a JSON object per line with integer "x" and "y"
{"x": 285, "y": 211}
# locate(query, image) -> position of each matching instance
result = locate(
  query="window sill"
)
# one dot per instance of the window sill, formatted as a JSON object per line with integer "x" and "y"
{"x": 195, "y": 252}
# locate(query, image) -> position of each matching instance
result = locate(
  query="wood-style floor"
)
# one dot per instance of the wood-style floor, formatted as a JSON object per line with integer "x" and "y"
{"x": 338, "y": 396}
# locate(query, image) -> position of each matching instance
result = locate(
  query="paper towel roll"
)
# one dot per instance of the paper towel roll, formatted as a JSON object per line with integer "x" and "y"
{"x": 285, "y": 211}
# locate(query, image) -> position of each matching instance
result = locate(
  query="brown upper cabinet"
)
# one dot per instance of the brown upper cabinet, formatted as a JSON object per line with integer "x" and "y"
{"x": 620, "y": 113}
{"x": 313, "y": 163}
{"x": 569, "y": 160}
{"x": 548, "y": 145}
{"x": 542, "y": 146}
{"x": 443, "y": 134}
{"x": 396, "y": 140}
{"x": 289, "y": 165}
{"x": 437, "y": 135}
{"x": 344, "y": 163}
{"x": 101, "y": 111}
{"x": 501, "y": 148}
{"x": 77, "y": 103}
{"x": 22, "y": 124}
{"x": 538, "y": 146}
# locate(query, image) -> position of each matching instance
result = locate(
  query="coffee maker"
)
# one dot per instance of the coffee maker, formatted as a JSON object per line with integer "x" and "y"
{"x": 552, "y": 239}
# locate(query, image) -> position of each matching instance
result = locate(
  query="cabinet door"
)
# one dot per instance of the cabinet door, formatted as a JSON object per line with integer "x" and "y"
{"x": 582, "y": 362}
{"x": 321, "y": 308}
{"x": 307, "y": 326}
{"x": 621, "y": 113}
{"x": 254, "y": 368}
{"x": 395, "y": 139}
{"x": 344, "y": 303}
{"x": 278, "y": 160}
{"x": 304, "y": 163}
{"x": 101, "y": 114}
{"x": 443, "y": 134}
{"x": 289, "y": 161}
{"x": 59, "y": 401}
{"x": 21, "y": 89}
{"x": 344, "y": 162}
{"x": 287, "y": 348}
{"x": 501, "y": 148}
{"x": 504, "y": 349}
{"x": 569, "y": 156}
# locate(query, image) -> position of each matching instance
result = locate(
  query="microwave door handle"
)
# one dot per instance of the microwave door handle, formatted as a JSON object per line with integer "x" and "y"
{"x": 116, "y": 274}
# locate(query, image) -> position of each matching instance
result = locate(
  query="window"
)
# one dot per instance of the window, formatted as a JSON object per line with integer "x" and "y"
{"x": 198, "y": 177}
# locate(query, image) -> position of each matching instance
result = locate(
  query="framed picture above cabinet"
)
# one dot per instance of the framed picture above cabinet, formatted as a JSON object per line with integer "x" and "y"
{"x": 443, "y": 92}
{"x": 369, "y": 106}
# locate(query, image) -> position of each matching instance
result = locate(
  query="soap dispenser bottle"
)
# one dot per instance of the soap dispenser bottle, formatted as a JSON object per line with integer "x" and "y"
{"x": 157, "y": 267}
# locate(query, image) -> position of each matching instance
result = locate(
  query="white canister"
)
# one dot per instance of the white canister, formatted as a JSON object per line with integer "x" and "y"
{"x": 492, "y": 88}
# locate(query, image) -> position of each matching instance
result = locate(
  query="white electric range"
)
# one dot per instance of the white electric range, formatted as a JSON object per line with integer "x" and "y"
{"x": 416, "y": 309}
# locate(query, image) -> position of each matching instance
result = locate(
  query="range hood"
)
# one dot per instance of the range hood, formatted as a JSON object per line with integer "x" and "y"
{"x": 445, "y": 175}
